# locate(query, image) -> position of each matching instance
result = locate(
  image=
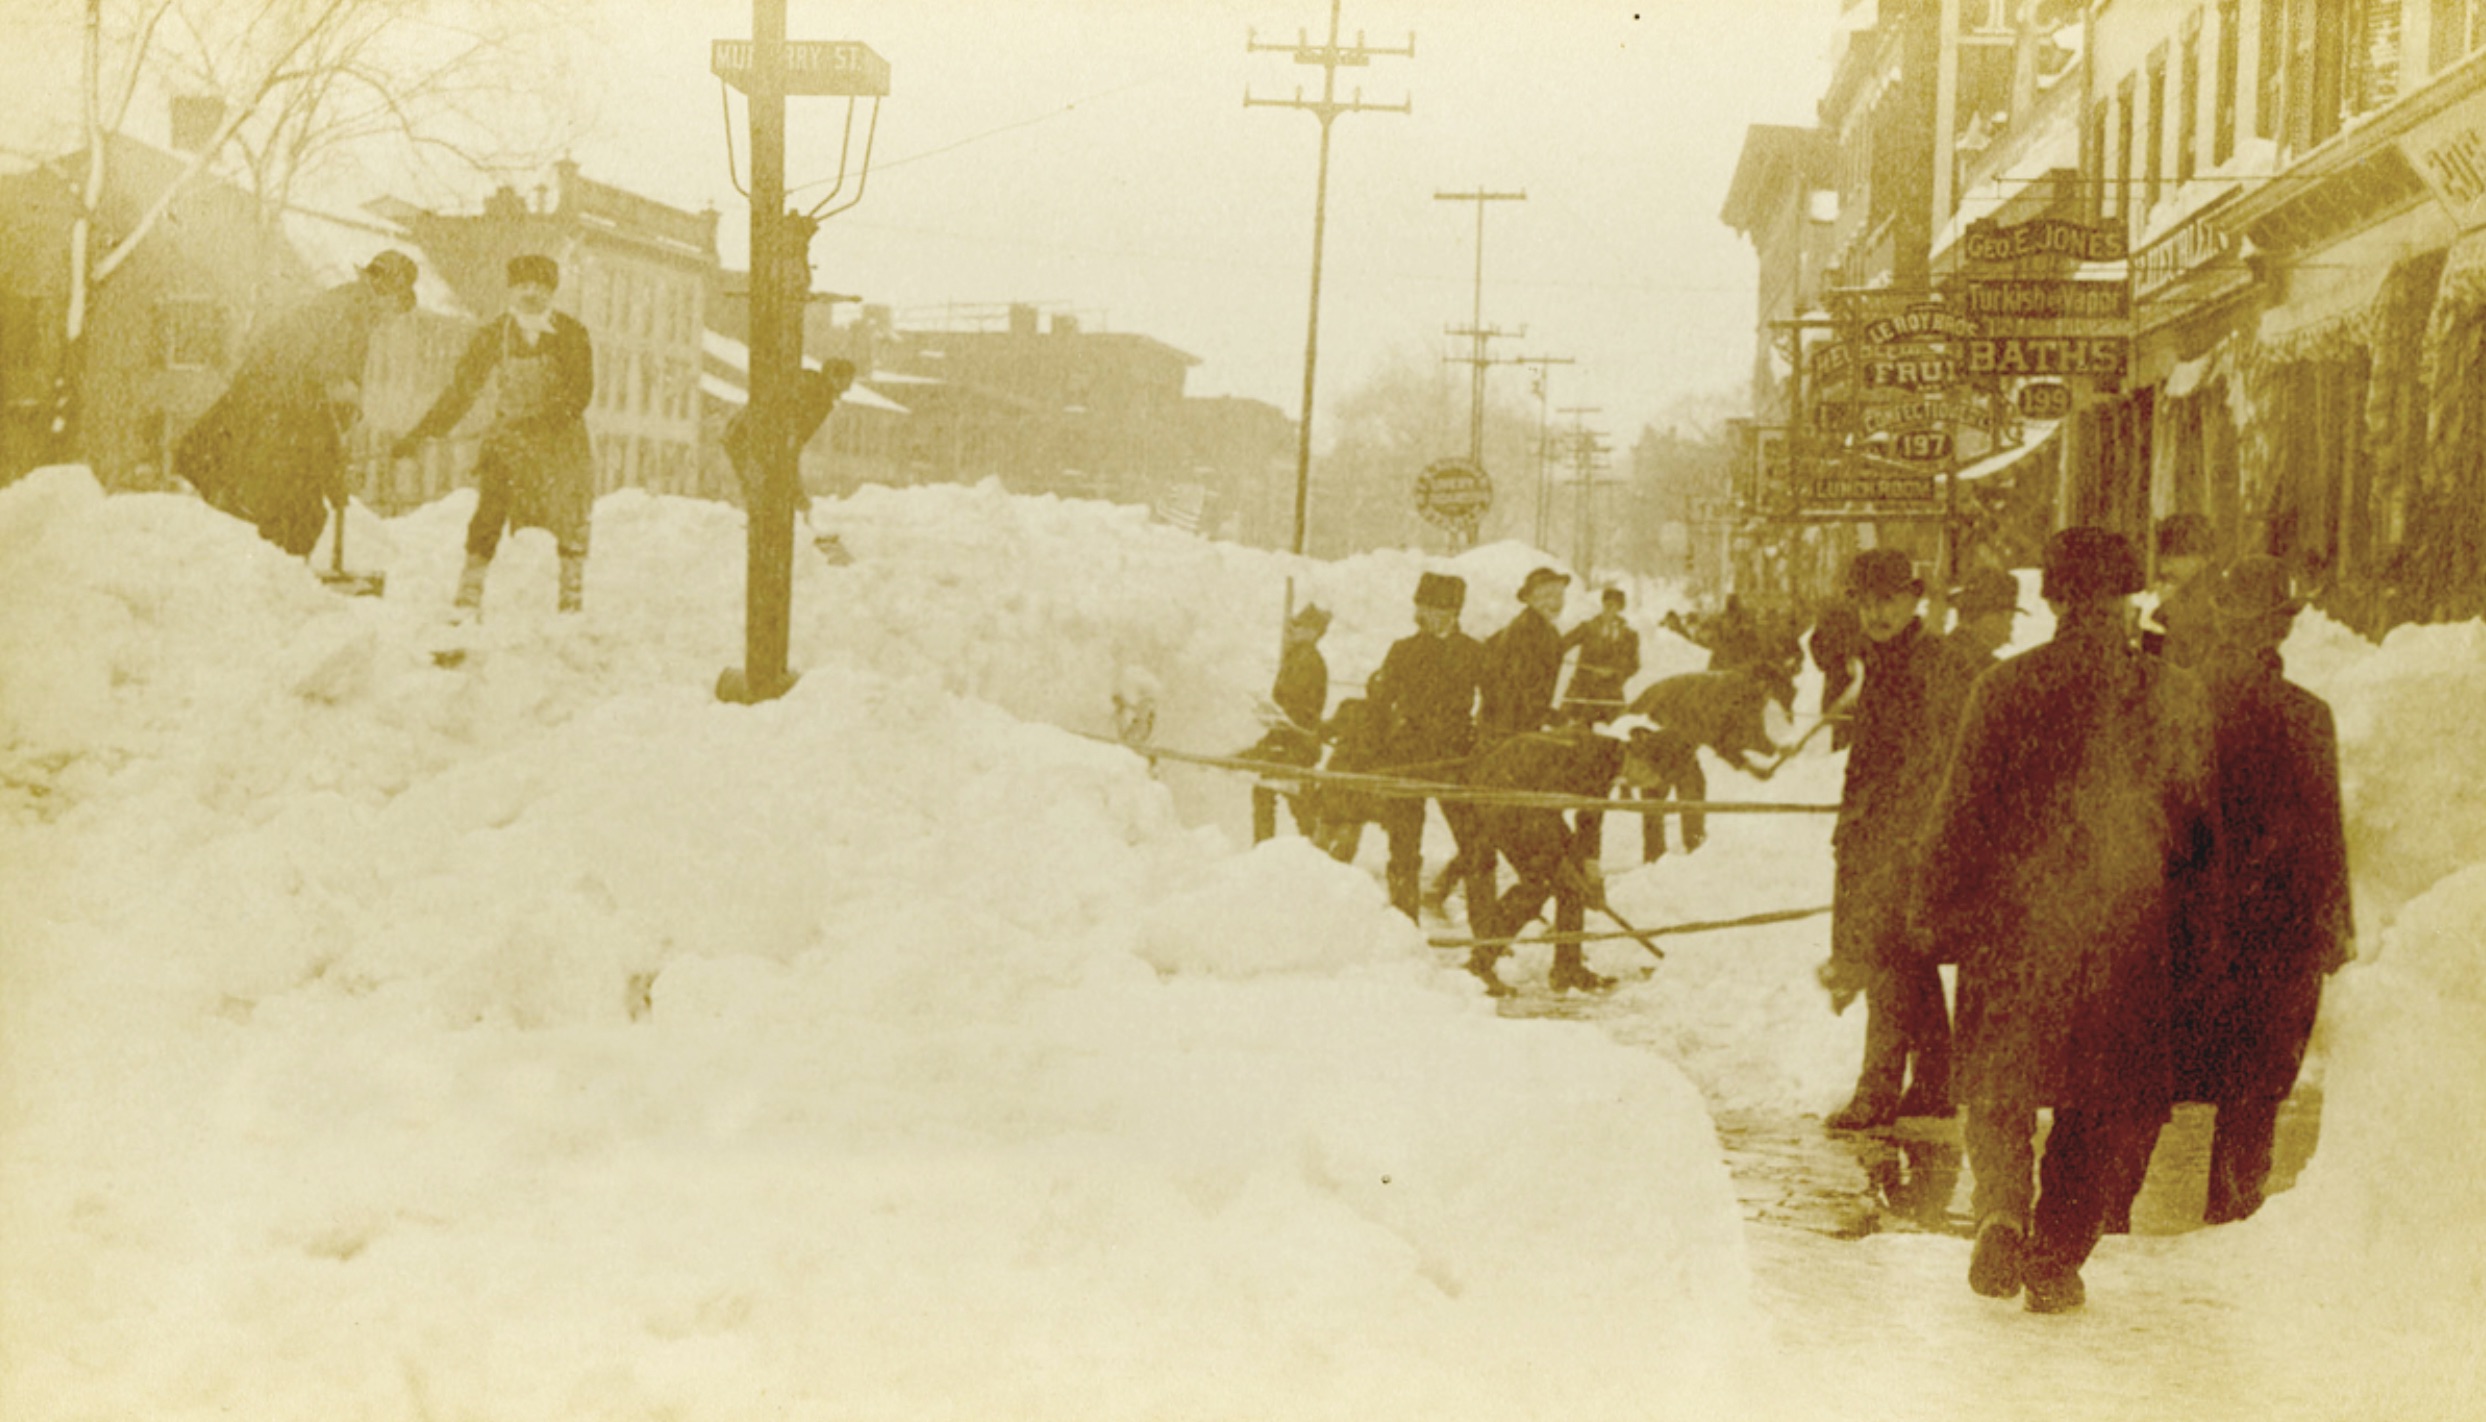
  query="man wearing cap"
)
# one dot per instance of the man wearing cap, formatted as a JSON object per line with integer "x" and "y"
{"x": 1423, "y": 704}
{"x": 1609, "y": 659}
{"x": 2287, "y": 923}
{"x": 1906, "y": 716}
{"x": 2071, "y": 871}
{"x": 1302, "y": 693}
{"x": 536, "y": 468}
{"x": 271, "y": 450}
{"x": 1554, "y": 858}
{"x": 2183, "y": 627}
{"x": 1986, "y": 602}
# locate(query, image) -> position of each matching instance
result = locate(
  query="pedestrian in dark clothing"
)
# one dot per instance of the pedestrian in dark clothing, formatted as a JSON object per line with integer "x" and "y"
{"x": 536, "y": 468}
{"x": 2184, "y": 627}
{"x": 1733, "y": 637}
{"x": 1723, "y": 711}
{"x": 1523, "y": 661}
{"x": 2071, "y": 872}
{"x": 1425, "y": 698}
{"x": 816, "y": 393}
{"x": 1837, "y": 646}
{"x": 1986, "y": 602}
{"x": 1301, "y": 692}
{"x": 2287, "y": 923}
{"x": 271, "y": 450}
{"x": 1609, "y": 659}
{"x": 1341, "y": 811}
{"x": 1906, "y": 717}
{"x": 1553, "y": 857}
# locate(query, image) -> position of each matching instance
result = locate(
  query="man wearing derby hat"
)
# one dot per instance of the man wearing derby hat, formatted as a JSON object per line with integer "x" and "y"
{"x": 536, "y": 468}
{"x": 271, "y": 450}
{"x": 1423, "y": 704}
{"x": 1987, "y": 600}
{"x": 1523, "y": 661}
{"x": 2071, "y": 870}
{"x": 2287, "y": 923}
{"x": 1906, "y": 715}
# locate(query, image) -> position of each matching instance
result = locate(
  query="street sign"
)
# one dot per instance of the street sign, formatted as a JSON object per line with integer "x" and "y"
{"x": 2015, "y": 299}
{"x": 2047, "y": 355}
{"x": 845, "y": 68}
{"x": 2045, "y": 400}
{"x": 1453, "y": 493}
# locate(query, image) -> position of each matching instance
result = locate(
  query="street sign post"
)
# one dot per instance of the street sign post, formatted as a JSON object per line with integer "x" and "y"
{"x": 836, "y": 68}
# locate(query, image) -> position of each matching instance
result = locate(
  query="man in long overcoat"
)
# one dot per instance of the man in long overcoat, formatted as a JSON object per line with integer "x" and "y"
{"x": 2071, "y": 870}
{"x": 1906, "y": 717}
{"x": 271, "y": 450}
{"x": 536, "y": 469}
{"x": 1423, "y": 702}
{"x": 1523, "y": 661}
{"x": 2287, "y": 923}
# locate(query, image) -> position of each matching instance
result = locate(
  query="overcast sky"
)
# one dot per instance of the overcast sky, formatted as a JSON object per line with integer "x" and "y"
{"x": 1097, "y": 155}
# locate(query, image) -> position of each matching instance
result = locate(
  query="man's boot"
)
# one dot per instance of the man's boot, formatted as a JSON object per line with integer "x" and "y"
{"x": 469, "y": 601}
{"x": 1572, "y": 974}
{"x": 573, "y": 581}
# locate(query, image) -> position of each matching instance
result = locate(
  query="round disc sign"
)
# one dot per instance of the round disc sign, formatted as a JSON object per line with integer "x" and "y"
{"x": 1453, "y": 492}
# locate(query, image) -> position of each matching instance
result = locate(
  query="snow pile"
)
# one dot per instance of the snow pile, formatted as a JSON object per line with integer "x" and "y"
{"x": 544, "y": 1038}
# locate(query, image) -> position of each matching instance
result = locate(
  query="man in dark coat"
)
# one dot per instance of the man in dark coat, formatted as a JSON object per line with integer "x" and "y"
{"x": 2287, "y": 922}
{"x": 1301, "y": 691}
{"x": 536, "y": 469}
{"x": 2070, "y": 871}
{"x": 1554, "y": 858}
{"x": 1986, "y": 602}
{"x": 1424, "y": 701}
{"x": 1906, "y": 717}
{"x": 271, "y": 450}
{"x": 1523, "y": 661}
{"x": 816, "y": 393}
{"x": 2184, "y": 627}
{"x": 1609, "y": 659}
{"x": 1721, "y": 710}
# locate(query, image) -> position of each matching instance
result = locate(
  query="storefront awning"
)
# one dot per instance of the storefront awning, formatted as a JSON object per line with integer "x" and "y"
{"x": 2320, "y": 301}
{"x": 2034, "y": 436}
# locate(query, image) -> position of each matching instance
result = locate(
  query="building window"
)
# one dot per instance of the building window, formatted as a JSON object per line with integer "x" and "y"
{"x": 2459, "y": 28}
{"x": 2271, "y": 72}
{"x": 2154, "y": 157}
{"x": 2093, "y": 161}
{"x": 2223, "y": 126}
{"x": 2188, "y": 101}
{"x": 2122, "y": 188}
{"x": 193, "y": 330}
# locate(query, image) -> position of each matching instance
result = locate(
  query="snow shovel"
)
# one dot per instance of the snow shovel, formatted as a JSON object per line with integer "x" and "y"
{"x": 336, "y": 577}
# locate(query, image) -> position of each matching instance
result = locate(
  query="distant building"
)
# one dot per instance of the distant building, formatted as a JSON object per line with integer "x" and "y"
{"x": 637, "y": 273}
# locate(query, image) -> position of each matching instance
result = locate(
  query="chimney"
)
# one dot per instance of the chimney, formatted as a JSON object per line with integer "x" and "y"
{"x": 1065, "y": 324}
{"x": 505, "y": 205}
{"x": 195, "y": 119}
{"x": 1022, "y": 319}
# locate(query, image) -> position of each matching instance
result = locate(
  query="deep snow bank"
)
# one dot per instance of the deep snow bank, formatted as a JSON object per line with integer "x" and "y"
{"x": 545, "y": 1039}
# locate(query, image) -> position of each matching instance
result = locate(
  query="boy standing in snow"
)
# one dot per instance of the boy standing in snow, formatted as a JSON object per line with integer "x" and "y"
{"x": 1609, "y": 659}
{"x": 537, "y": 469}
{"x": 2071, "y": 865}
{"x": 1302, "y": 692}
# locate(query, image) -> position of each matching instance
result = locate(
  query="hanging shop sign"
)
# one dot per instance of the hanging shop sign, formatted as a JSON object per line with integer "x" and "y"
{"x": 2020, "y": 299}
{"x": 1985, "y": 244}
{"x": 1453, "y": 493}
{"x": 2448, "y": 150}
{"x": 1921, "y": 444}
{"x": 1884, "y": 419}
{"x": 1919, "y": 323}
{"x": 1864, "y": 485}
{"x": 1907, "y": 369}
{"x": 2044, "y": 400}
{"x": 2101, "y": 356}
{"x": 2198, "y": 244}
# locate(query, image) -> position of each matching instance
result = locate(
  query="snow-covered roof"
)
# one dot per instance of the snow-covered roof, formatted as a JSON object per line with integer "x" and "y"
{"x": 737, "y": 355}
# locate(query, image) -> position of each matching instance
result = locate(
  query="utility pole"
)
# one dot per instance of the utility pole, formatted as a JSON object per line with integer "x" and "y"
{"x": 1544, "y": 485}
{"x": 1585, "y": 448}
{"x": 1330, "y": 58}
{"x": 1476, "y": 330}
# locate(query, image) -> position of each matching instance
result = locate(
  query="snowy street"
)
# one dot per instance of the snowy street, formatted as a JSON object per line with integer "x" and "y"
{"x": 544, "y": 1039}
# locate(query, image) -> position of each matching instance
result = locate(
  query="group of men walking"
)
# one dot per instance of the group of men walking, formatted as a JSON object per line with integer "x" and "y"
{"x": 2136, "y": 864}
